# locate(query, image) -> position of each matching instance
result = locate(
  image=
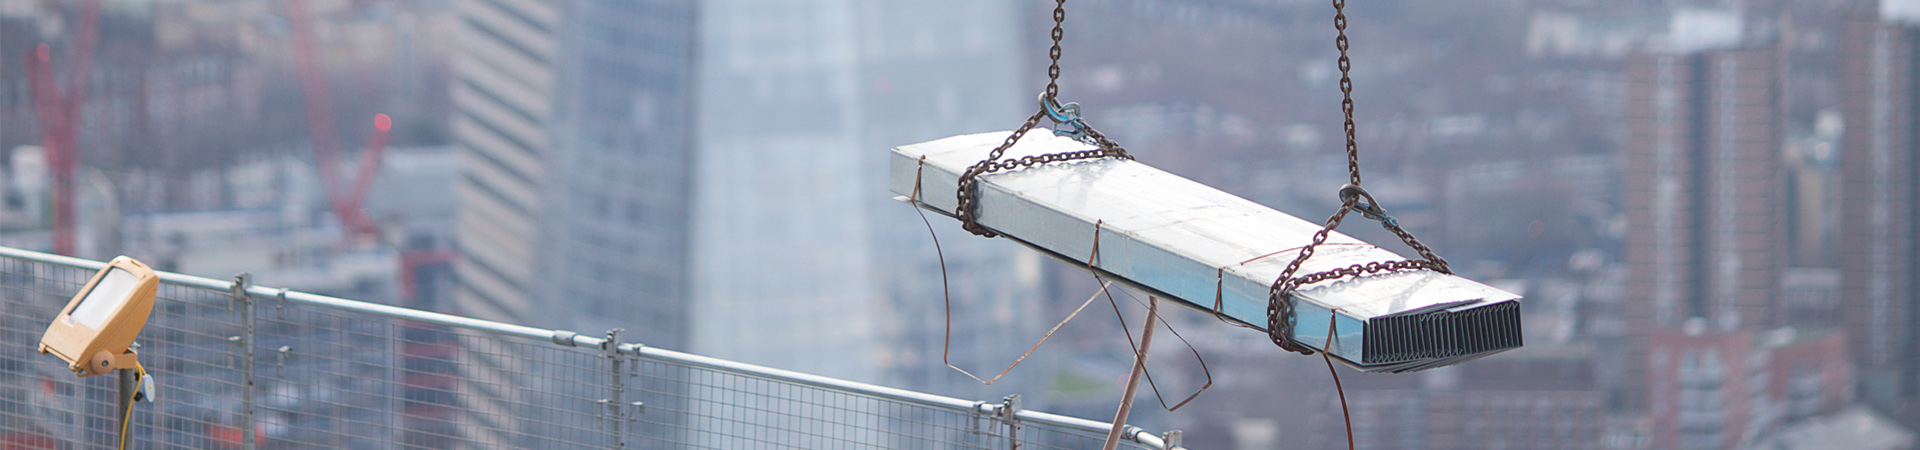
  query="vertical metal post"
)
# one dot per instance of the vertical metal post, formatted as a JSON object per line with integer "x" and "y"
{"x": 1133, "y": 380}
{"x": 126, "y": 404}
{"x": 1010, "y": 413}
{"x": 239, "y": 293}
{"x": 614, "y": 405}
{"x": 637, "y": 408}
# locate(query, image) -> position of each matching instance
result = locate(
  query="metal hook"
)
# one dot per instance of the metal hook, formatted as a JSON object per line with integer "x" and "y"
{"x": 1066, "y": 119}
{"x": 1058, "y": 112}
{"x": 1364, "y": 203}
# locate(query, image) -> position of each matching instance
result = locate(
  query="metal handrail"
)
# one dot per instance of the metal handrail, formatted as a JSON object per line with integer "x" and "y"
{"x": 571, "y": 339}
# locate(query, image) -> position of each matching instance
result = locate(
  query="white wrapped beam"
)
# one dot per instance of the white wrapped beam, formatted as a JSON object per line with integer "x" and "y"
{"x": 1181, "y": 240}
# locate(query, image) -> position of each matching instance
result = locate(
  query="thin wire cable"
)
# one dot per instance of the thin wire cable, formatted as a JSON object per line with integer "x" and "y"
{"x": 1183, "y": 340}
{"x": 1131, "y": 344}
{"x": 946, "y": 346}
{"x": 1337, "y": 387}
{"x": 140, "y": 375}
{"x": 1257, "y": 258}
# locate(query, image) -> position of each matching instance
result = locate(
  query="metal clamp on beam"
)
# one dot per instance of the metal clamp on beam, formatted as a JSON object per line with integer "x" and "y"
{"x": 1177, "y": 239}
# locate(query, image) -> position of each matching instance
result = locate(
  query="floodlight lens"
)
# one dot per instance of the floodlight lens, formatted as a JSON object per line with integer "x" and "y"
{"x": 106, "y": 296}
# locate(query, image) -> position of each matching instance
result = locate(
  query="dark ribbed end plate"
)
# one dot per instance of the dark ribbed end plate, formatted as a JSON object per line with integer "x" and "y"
{"x": 1442, "y": 334}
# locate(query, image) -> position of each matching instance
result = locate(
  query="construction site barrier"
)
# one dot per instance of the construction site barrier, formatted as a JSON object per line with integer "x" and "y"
{"x": 242, "y": 366}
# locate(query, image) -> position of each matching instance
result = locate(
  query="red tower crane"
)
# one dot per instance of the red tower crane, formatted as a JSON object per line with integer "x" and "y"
{"x": 347, "y": 201}
{"x": 59, "y": 113}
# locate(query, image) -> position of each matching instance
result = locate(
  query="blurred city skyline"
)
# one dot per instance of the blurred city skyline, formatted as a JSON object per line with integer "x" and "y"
{"x": 1708, "y": 205}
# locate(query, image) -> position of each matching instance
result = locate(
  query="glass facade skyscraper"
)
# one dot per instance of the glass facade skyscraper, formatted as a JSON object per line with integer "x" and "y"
{"x": 801, "y": 259}
{"x": 732, "y": 200}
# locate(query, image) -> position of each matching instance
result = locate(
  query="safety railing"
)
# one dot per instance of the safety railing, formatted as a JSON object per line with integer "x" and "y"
{"x": 245, "y": 366}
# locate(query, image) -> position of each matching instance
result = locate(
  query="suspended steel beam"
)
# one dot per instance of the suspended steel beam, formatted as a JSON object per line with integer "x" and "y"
{"x": 1177, "y": 239}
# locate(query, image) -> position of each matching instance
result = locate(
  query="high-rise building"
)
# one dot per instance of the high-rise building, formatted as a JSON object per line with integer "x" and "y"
{"x": 1540, "y": 396}
{"x": 1879, "y": 224}
{"x": 1876, "y": 222}
{"x": 577, "y": 124}
{"x": 801, "y": 260}
{"x": 503, "y": 99}
{"x": 574, "y": 130}
{"x": 1705, "y": 235}
{"x": 1724, "y": 390}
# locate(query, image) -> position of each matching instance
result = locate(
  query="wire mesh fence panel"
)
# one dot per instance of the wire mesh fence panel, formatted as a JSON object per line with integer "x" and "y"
{"x": 686, "y": 406}
{"x": 186, "y": 343}
{"x": 332, "y": 376}
{"x": 190, "y": 347}
{"x": 325, "y": 381}
{"x": 530, "y": 395}
{"x": 334, "y": 380}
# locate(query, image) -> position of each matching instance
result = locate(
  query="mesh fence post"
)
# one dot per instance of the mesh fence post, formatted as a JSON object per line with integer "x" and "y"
{"x": 636, "y": 408}
{"x": 1010, "y": 413}
{"x": 614, "y": 406}
{"x": 238, "y": 293}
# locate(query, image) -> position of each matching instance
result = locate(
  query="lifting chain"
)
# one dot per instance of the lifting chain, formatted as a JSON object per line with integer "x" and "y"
{"x": 1067, "y": 115}
{"x": 1280, "y": 301}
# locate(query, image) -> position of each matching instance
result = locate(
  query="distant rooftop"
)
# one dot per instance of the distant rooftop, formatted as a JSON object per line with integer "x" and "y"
{"x": 1856, "y": 428}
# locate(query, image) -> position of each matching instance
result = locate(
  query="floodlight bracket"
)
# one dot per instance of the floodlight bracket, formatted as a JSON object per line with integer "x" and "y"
{"x": 105, "y": 361}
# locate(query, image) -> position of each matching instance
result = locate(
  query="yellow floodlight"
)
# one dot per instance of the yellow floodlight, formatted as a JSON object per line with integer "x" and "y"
{"x": 95, "y": 330}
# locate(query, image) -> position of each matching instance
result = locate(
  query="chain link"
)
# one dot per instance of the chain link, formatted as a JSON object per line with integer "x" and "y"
{"x": 964, "y": 209}
{"x": 969, "y": 184}
{"x": 1346, "y": 91}
{"x": 1280, "y": 302}
{"x": 1053, "y": 53}
{"x": 1280, "y": 317}
{"x": 1434, "y": 261}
